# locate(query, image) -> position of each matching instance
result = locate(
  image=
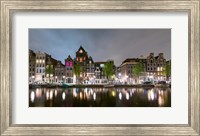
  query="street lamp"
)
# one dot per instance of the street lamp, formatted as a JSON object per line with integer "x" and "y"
{"x": 63, "y": 78}
{"x": 126, "y": 77}
{"x": 33, "y": 78}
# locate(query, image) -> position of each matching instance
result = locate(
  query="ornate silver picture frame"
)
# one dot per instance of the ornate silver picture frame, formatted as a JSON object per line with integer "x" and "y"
{"x": 8, "y": 7}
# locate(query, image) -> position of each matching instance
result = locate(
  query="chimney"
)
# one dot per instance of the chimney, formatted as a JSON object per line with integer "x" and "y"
{"x": 151, "y": 54}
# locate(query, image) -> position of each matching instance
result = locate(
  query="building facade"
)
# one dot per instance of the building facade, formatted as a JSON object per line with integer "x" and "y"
{"x": 43, "y": 68}
{"x": 100, "y": 77}
{"x": 32, "y": 61}
{"x": 59, "y": 72}
{"x": 69, "y": 70}
{"x": 155, "y": 67}
{"x": 81, "y": 59}
{"x": 90, "y": 70}
{"x": 40, "y": 64}
{"x": 50, "y": 69}
{"x": 125, "y": 71}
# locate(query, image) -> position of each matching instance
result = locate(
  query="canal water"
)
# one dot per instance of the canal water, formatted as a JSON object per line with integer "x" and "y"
{"x": 100, "y": 97}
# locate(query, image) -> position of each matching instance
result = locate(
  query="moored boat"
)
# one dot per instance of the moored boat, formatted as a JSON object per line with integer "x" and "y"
{"x": 66, "y": 85}
{"x": 162, "y": 84}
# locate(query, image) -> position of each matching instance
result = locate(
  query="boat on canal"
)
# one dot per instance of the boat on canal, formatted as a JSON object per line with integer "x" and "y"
{"x": 162, "y": 84}
{"x": 66, "y": 85}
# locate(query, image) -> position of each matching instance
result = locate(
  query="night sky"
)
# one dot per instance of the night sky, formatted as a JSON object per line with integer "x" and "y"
{"x": 101, "y": 44}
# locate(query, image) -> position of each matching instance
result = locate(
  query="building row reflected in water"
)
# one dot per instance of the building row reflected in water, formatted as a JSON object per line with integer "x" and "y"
{"x": 100, "y": 97}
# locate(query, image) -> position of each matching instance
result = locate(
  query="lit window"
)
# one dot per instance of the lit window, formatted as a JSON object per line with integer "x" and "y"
{"x": 67, "y": 63}
{"x": 70, "y": 64}
{"x": 102, "y": 65}
{"x": 81, "y": 60}
{"x": 81, "y": 51}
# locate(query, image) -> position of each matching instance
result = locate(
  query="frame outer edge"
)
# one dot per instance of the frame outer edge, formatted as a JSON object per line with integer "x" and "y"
{"x": 5, "y": 64}
{"x": 194, "y": 68}
{"x": 5, "y": 68}
{"x": 197, "y": 66}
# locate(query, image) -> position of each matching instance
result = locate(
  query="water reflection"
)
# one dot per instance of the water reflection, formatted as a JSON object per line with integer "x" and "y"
{"x": 94, "y": 96}
{"x": 120, "y": 95}
{"x": 55, "y": 93}
{"x": 63, "y": 95}
{"x": 51, "y": 95}
{"x": 47, "y": 95}
{"x": 100, "y": 97}
{"x": 32, "y": 96}
{"x": 127, "y": 96}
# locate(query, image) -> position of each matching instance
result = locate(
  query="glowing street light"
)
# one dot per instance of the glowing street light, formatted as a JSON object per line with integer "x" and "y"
{"x": 33, "y": 78}
{"x": 63, "y": 78}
